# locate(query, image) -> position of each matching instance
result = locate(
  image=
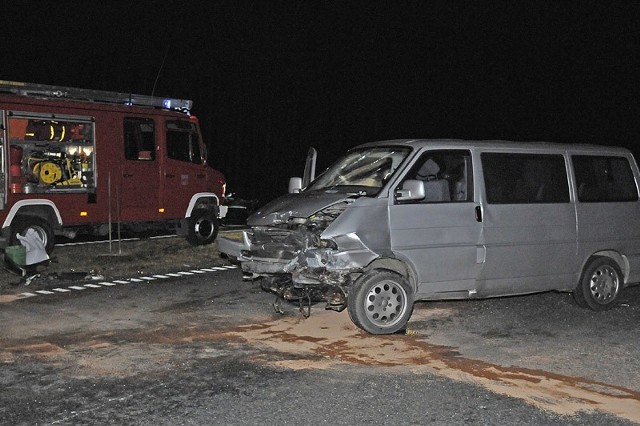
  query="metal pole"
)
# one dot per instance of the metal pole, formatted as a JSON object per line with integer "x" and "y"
{"x": 109, "y": 205}
{"x": 118, "y": 218}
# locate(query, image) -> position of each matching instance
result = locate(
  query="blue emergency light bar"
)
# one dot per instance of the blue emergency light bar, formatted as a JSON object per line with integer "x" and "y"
{"x": 94, "y": 96}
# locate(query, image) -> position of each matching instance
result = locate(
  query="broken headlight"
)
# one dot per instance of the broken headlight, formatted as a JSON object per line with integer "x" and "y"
{"x": 320, "y": 220}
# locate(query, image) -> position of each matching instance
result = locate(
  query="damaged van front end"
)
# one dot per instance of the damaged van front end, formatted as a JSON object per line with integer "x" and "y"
{"x": 299, "y": 261}
{"x": 310, "y": 246}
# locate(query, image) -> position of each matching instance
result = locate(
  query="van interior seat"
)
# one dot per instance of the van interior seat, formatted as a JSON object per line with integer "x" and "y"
{"x": 435, "y": 188}
{"x": 460, "y": 190}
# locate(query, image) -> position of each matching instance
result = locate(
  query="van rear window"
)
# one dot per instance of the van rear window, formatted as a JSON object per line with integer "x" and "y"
{"x": 525, "y": 178}
{"x": 604, "y": 179}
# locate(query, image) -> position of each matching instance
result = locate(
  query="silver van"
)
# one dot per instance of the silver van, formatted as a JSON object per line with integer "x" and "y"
{"x": 398, "y": 221}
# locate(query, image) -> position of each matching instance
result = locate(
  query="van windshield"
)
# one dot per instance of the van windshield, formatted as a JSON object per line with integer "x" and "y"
{"x": 364, "y": 170}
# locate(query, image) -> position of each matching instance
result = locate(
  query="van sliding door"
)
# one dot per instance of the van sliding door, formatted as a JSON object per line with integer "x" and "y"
{"x": 529, "y": 227}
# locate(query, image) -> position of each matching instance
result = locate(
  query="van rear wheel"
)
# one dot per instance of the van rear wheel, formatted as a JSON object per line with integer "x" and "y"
{"x": 380, "y": 302}
{"x": 600, "y": 285}
{"x": 203, "y": 227}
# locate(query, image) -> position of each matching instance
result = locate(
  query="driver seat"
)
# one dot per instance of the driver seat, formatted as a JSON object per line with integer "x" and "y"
{"x": 435, "y": 189}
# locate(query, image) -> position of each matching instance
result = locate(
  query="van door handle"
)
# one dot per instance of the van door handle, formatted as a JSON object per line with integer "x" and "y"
{"x": 201, "y": 176}
{"x": 478, "y": 214}
{"x": 169, "y": 175}
{"x": 125, "y": 174}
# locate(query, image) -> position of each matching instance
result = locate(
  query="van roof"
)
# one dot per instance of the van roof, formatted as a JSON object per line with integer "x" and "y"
{"x": 497, "y": 144}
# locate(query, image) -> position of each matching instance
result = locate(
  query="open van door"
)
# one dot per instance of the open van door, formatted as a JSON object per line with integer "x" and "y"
{"x": 296, "y": 184}
{"x": 309, "y": 167}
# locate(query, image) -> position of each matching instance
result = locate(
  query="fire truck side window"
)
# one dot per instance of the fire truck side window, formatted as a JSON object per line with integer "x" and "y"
{"x": 183, "y": 143}
{"x": 139, "y": 139}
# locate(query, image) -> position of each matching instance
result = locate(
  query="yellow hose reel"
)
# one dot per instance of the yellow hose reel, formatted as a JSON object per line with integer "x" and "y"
{"x": 48, "y": 172}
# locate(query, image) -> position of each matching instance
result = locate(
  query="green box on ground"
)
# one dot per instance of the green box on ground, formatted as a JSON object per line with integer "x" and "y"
{"x": 18, "y": 254}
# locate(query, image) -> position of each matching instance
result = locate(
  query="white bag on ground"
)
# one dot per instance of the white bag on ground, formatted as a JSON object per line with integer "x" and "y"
{"x": 36, "y": 252}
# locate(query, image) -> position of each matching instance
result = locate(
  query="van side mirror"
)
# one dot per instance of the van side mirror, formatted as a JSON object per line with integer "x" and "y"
{"x": 295, "y": 185}
{"x": 412, "y": 189}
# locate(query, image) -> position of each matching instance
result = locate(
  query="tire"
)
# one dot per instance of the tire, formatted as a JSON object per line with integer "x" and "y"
{"x": 203, "y": 227}
{"x": 600, "y": 285}
{"x": 21, "y": 224}
{"x": 380, "y": 302}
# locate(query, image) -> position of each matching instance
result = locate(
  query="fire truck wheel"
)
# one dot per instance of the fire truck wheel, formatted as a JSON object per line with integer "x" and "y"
{"x": 21, "y": 224}
{"x": 203, "y": 227}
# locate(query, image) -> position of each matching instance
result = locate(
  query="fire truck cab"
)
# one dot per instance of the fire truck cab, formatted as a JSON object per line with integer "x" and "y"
{"x": 79, "y": 161}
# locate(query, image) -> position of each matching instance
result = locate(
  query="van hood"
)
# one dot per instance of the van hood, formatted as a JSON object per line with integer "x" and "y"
{"x": 302, "y": 205}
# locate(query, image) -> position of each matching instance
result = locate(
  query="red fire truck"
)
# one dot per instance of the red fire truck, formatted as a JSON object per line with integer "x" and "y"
{"x": 77, "y": 160}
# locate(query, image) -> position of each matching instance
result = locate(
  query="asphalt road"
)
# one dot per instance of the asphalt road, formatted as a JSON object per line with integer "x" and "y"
{"x": 209, "y": 348}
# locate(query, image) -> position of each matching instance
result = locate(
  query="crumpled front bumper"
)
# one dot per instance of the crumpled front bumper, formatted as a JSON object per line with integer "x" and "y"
{"x": 264, "y": 257}
{"x": 231, "y": 243}
{"x": 291, "y": 252}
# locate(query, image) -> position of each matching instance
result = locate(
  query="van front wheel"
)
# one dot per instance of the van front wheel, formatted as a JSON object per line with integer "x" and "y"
{"x": 380, "y": 302}
{"x": 600, "y": 284}
{"x": 203, "y": 227}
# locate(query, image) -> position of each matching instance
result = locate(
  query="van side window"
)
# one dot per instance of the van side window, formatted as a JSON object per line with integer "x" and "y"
{"x": 139, "y": 139}
{"x": 604, "y": 179}
{"x": 446, "y": 176}
{"x": 183, "y": 143}
{"x": 525, "y": 178}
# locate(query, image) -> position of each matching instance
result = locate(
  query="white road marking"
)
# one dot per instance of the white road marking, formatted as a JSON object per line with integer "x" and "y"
{"x": 114, "y": 241}
{"x": 129, "y": 280}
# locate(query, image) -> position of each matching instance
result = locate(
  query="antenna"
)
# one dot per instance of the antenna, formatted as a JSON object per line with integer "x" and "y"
{"x": 166, "y": 53}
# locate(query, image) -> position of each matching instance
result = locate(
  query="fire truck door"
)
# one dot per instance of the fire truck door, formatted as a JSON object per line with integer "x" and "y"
{"x": 3, "y": 148}
{"x": 139, "y": 190}
{"x": 185, "y": 169}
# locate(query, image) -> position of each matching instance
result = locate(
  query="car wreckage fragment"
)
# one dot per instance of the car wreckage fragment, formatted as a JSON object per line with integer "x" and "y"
{"x": 298, "y": 265}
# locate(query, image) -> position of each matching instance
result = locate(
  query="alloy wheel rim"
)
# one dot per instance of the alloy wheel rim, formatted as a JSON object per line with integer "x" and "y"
{"x": 604, "y": 284}
{"x": 385, "y": 303}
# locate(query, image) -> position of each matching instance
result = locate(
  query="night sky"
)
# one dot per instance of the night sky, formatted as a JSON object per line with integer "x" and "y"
{"x": 269, "y": 79}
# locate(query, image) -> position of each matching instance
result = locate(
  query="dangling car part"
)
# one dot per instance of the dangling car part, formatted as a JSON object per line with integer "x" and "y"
{"x": 298, "y": 244}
